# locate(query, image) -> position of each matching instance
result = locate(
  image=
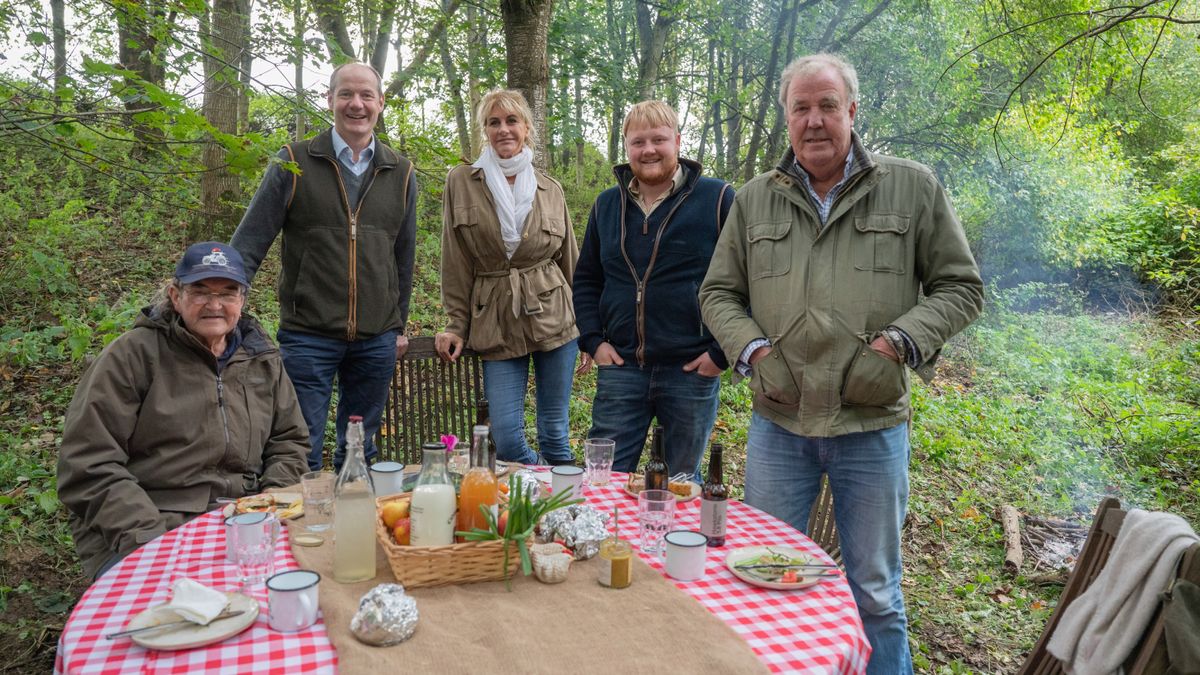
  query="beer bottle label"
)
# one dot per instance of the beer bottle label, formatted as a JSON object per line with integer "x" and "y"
{"x": 712, "y": 518}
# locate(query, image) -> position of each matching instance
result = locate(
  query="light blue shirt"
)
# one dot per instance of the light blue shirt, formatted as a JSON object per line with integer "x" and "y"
{"x": 346, "y": 156}
{"x": 824, "y": 206}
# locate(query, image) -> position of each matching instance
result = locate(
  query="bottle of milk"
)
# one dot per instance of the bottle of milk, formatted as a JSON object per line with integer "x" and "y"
{"x": 434, "y": 505}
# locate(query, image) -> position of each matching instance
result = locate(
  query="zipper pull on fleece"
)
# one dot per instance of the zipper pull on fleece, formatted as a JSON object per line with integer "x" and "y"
{"x": 638, "y": 300}
{"x": 353, "y": 226}
{"x": 646, "y": 224}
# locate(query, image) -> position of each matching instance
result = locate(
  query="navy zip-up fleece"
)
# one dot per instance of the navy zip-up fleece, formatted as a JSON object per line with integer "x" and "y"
{"x": 643, "y": 297}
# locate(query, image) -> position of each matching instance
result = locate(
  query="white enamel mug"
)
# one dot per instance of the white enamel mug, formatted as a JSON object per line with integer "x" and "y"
{"x": 292, "y": 600}
{"x": 387, "y": 478}
{"x": 567, "y": 476}
{"x": 685, "y": 552}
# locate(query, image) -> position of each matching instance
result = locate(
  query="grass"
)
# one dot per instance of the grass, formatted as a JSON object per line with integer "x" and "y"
{"x": 1046, "y": 411}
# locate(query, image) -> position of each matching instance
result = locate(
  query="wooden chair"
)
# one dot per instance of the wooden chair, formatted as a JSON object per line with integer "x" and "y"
{"x": 1150, "y": 656}
{"x": 821, "y": 526}
{"x": 428, "y": 398}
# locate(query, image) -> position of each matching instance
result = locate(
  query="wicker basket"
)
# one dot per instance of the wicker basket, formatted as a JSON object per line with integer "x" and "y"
{"x": 468, "y": 562}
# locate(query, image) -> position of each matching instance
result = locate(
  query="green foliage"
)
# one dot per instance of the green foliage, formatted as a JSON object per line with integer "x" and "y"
{"x": 57, "y": 310}
{"x": 1047, "y": 411}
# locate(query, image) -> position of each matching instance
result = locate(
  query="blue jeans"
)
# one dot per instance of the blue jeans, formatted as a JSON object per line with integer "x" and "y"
{"x": 364, "y": 373}
{"x": 868, "y": 476}
{"x": 506, "y": 382}
{"x": 628, "y": 397}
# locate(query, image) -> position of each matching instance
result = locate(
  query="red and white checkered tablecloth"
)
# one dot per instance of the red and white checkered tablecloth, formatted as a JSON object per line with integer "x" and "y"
{"x": 195, "y": 550}
{"x": 813, "y": 630}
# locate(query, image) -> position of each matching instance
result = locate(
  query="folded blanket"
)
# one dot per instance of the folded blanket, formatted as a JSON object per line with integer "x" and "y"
{"x": 1099, "y": 630}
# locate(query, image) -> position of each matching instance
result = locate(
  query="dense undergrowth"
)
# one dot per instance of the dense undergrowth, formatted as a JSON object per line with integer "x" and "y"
{"x": 1044, "y": 409}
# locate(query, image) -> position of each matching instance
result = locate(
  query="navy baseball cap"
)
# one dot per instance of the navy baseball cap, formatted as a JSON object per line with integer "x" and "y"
{"x": 209, "y": 260}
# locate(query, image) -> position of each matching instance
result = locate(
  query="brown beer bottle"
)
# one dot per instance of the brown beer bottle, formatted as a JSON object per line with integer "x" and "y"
{"x": 657, "y": 472}
{"x": 714, "y": 498}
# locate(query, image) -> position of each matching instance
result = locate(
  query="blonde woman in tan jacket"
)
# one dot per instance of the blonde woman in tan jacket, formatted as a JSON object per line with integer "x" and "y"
{"x": 508, "y": 255}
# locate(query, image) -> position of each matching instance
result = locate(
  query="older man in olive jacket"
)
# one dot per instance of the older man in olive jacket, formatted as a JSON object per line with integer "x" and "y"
{"x": 189, "y": 406}
{"x": 813, "y": 294}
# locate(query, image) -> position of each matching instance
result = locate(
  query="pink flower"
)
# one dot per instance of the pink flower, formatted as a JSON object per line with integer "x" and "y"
{"x": 450, "y": 440}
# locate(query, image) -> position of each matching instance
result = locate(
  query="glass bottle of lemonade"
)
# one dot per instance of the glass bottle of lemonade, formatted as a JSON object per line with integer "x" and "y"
{"x": 354, "y": 513}
{"x": 479, "y": 486}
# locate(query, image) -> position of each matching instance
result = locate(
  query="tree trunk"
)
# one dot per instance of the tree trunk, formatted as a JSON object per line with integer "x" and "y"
{"x": 562, "y": 106}
{"x": 578, "y": 131}
{"x": 299, "y": 16}
{"x": 710, "y": 119}
{"x": 769, "y": 92}
{"x": 331, "y": 18}
{"x": 652, "y": 38}
{"x": 138, "y": 52}
{"x": 222, "y": 57}
{"x": 383, "y": 36}
{"x": 57, "y": 11}
{"x": 247, "y": 65}
{"x": 733, "y": 86}
{"x": 477, "y": 43}
{"x": 617, "y": 53}
{"x": 526, "y": 30}
{"x": 777, "y": 139}
{"x": 404, "y": 75}
{"x": 718, "y": 118}
{"x": 454, "y": 84}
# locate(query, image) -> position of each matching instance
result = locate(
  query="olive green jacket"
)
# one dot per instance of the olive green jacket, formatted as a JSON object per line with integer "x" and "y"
{"x": 821, "y": 295}
{"x": 154, "y": 434}
{"x": 507, "y": 308}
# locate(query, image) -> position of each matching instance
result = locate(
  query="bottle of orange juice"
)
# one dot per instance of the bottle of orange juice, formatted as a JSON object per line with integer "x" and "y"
{"x": 479, "y": 486}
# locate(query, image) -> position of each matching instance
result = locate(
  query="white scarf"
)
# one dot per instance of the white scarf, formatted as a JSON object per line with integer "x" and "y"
{"x": 513, "y": 203}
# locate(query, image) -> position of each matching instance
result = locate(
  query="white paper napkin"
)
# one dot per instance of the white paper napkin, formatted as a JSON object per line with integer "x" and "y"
{"x": 196, "y": 602}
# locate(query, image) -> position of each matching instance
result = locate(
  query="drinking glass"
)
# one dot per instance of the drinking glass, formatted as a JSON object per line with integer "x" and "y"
{"x": 598, "y": 457}
{"x": 460, "y": 459}
{"x": 318, "y": 500}
{"x": 656, "y": 517}
{"x": 254, "y": 536}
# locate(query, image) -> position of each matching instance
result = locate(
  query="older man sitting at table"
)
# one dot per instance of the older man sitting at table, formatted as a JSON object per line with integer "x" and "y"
{"x": 190, "y": 405}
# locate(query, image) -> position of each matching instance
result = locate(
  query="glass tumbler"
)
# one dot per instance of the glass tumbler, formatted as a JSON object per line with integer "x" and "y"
{"x": 318, "y": 500}
{"x": 598, "y": 457}
{"x": 656, "y": 517}
{"x": 254, "y": 536}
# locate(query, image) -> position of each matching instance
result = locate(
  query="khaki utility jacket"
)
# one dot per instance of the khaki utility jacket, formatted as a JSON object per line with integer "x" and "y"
{"x": 507, "y": 308}
{"x": 820, "y": 295}
{"x": 154, "y": 434}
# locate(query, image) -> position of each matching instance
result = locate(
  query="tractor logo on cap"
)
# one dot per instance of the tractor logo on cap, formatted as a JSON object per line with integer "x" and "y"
{"x": 217, "y": 257}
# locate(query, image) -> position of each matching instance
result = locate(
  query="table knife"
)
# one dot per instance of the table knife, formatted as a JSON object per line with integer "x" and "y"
{"x": 176, "y": 624}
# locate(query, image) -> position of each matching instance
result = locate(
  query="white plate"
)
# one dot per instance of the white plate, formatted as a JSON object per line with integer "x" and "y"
{"x": 696, "y": 490}
{"x": 281, "y": 498}
{"x": 738, "y": 555}
{"x": 186, "y": 637}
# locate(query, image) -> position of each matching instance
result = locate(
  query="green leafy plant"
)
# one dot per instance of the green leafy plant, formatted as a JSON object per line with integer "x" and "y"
{"x": 524, "y": 512}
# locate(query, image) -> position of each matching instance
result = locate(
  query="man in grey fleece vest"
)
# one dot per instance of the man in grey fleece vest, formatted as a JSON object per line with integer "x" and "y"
{"x": 348, "y": 217}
